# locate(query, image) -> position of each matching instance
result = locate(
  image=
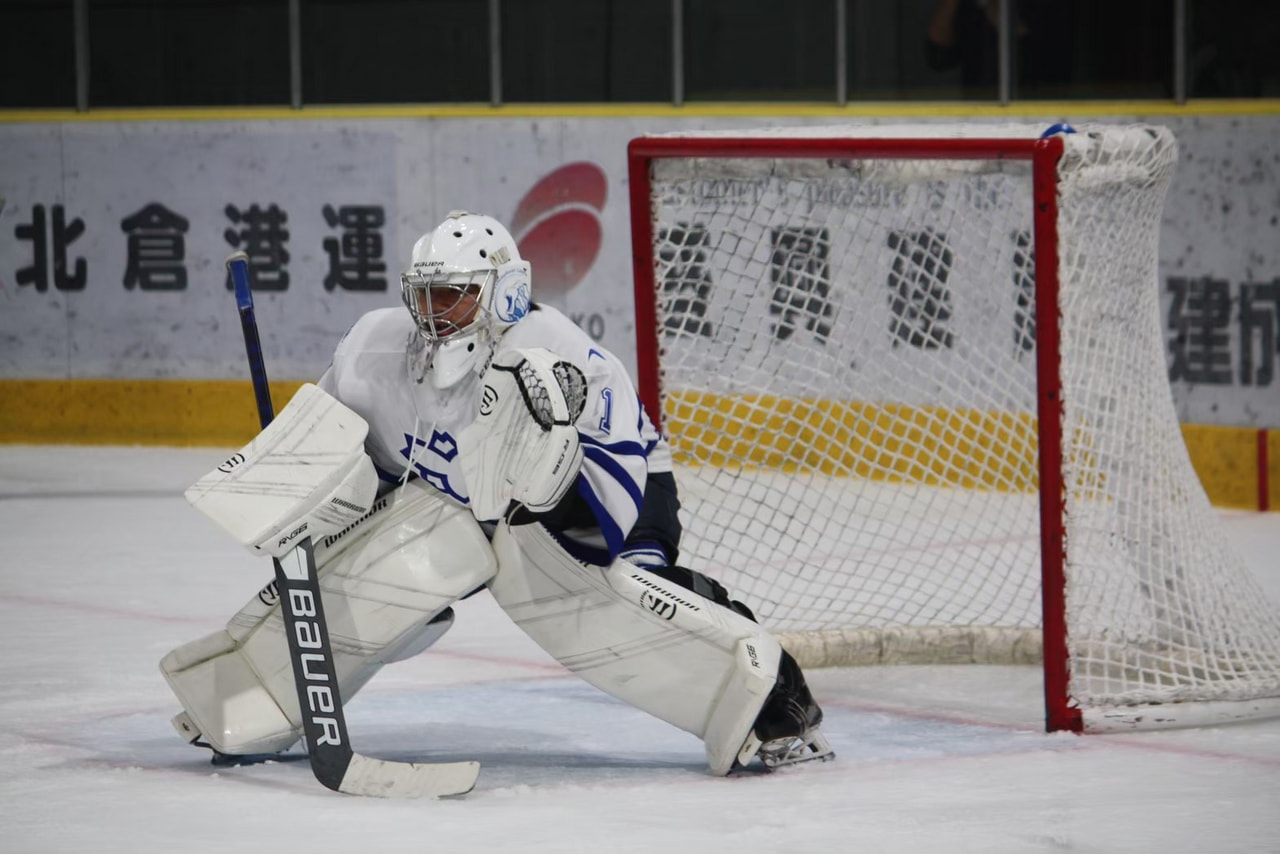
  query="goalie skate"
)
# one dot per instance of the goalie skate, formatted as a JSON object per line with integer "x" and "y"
{"x": 786, "y": 730}
{"x": 809, "y": 746}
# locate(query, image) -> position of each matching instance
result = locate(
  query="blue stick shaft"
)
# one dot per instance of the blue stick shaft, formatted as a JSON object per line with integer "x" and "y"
{"x": 238, "y": 264}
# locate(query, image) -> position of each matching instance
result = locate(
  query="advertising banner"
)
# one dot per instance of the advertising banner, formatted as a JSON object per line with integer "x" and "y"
{"x": 113, "y": 236}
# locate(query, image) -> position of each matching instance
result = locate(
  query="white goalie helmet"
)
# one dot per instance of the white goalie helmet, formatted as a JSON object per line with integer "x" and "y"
{"x": 465, "y": 286}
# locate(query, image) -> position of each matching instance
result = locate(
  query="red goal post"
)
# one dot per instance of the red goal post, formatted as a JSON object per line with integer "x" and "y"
{"x": 881, "y": 469}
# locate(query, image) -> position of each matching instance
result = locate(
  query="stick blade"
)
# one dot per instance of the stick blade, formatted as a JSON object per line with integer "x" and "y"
{"x": 378, "y": 778}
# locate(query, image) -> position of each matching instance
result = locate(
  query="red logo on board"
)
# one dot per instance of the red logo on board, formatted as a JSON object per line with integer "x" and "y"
{"x": 557, "y": 227}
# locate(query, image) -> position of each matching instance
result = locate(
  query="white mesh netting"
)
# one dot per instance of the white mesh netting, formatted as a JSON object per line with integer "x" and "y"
{"x": 848, "y": 378}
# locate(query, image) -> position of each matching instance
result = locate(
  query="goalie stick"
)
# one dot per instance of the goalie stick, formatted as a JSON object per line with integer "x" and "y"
{"x": 324, "y": 724}
{"x": 238, "y": 267}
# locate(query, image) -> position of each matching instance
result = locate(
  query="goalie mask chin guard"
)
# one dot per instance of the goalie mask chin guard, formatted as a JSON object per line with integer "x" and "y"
{"x": 466, "y": 286}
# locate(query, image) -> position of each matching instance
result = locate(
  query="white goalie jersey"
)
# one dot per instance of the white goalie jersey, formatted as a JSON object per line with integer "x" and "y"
{"x": 414, "y": 426}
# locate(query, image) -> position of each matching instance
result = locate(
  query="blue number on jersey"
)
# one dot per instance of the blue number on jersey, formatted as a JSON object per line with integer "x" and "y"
{"x": 606, "y": 420}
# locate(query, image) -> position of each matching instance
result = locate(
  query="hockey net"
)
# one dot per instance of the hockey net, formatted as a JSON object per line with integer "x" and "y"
{"x": 844, "y": 332}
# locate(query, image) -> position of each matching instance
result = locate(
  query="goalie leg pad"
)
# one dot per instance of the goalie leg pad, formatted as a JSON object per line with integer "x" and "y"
{"x": 662, "y": 648}
{"x": 387, "y": 585}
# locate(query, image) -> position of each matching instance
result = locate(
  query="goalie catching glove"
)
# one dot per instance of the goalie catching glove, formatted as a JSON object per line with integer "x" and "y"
{"x": 523, "y": 446}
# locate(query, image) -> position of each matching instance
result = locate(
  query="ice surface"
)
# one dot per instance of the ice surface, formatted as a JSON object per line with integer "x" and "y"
{"x": 104, "y": 568}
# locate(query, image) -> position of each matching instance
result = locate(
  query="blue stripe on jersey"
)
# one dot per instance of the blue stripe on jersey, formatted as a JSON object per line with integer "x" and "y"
{"x": 615, "y": 470}
{"x": 388, "y": 477}
{"x": 580, "y": 551}
{"x": 622, "y": 449}
{"x": 612, "y": 533}
{"x": 642, "y": 422}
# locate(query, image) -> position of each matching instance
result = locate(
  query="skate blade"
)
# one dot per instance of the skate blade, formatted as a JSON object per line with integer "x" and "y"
{"x": 810, "y": 747}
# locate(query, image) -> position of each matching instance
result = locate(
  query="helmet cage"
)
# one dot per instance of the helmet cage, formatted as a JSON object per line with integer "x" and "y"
{"x": 440, "y": 302}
